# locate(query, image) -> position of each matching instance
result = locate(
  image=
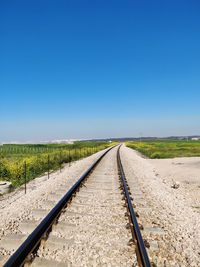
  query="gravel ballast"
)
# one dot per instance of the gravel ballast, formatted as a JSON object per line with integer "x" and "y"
{"x": 171, "y": 225}
{"x": 94, "y": 224}
{"x": 17, "y": 207}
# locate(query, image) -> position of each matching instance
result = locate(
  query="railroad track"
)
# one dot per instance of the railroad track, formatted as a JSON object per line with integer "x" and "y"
{"x": 94, "y": 224}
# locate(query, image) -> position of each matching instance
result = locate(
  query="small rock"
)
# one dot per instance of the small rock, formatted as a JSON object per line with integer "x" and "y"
{"x": 146, "y": 243}
{"x": 175, "y": 185}
{"x": 5, "y": 187}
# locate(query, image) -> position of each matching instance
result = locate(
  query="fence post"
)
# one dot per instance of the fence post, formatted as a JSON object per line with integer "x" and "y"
{"x": 25, "y": 175}
{"x": 48, "y": 166}
{"x": 69, "y": 157}
{"x": 60, "y": 162}
{"x": 1, "y": 176}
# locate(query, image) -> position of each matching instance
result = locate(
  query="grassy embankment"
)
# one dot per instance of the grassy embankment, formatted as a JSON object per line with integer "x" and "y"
{"x": 166, "y": 149}
{"x": 40, "y": 159}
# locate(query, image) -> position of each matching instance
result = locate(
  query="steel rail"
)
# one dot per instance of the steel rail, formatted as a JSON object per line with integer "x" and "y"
{"x": 19, "y": 257}
{"x": 142, "y": 255}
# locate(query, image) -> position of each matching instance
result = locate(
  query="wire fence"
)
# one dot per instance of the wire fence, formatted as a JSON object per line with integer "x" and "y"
{"x": 19, "y": 167}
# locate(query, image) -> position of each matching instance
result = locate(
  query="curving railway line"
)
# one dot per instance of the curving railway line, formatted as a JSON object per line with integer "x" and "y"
{"x": 93, "y": 224}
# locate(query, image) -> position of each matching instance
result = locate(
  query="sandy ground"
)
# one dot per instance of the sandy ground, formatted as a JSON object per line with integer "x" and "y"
{"x": 174, "y": 211}
{"x": 185, "y": 171}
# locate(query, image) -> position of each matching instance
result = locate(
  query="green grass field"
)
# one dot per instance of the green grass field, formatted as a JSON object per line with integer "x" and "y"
{"x": 39, "y": 159}
{"x": 166, "y": 149}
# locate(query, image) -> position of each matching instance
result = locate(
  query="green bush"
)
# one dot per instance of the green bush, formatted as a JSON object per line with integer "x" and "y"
{"x": 155, "y": 155}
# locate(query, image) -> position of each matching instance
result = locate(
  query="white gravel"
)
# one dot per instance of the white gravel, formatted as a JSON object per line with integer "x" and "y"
{"x": 185, "y": 172}
{"x": 166, "y": 209}
{"x": 94, "y": 223}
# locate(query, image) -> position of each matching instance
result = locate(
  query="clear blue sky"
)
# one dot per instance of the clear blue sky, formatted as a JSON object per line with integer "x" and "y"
{"x": 99, "y": 68}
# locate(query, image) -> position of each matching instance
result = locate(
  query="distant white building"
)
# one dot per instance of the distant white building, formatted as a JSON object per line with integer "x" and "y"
{"x": 195, "y": 138}
{"x": 64, "y": 141}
